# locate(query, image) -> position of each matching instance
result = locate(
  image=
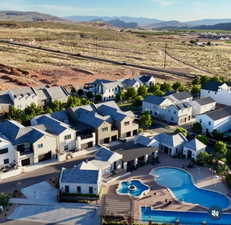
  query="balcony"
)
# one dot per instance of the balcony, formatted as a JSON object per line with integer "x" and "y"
{"x": 86, "y": 136}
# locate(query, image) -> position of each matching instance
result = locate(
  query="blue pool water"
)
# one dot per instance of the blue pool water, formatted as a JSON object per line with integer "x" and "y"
{"x": 181, "y": 185}
{"x": 189, "y": 218}
{"x": 134, "y": 188}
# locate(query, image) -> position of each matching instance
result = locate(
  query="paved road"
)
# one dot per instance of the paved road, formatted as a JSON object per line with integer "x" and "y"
{"x": 179, "y": 74}
{"x": 39, "y": 175}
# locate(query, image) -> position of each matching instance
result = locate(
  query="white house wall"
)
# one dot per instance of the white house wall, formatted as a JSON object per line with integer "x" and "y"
{"x": 9, "y": 155}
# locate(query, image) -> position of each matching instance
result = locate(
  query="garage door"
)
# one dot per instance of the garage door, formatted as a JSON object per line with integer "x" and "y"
{"x": 44, "y": 157}
{"x": 26, "y": 162}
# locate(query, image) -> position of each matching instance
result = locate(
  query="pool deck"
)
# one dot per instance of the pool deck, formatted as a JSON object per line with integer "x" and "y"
{"x": 159, "y": 196}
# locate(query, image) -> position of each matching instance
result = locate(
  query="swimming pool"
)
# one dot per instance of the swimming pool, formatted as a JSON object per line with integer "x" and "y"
{"x": 189, "y": 218}
{"x": 180, "y": 183}
{"x": 134, "y": 188}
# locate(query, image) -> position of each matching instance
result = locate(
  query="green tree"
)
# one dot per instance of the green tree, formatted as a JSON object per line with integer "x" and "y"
{"x": 220, "y": 150}
{"x": 138, "y": 101}
{"x": 204, "y": 79}
{"x": 121, "y": 96}
{"x": 218, "y": 135}
{"x": 80, "y": 92}
{"x": 195, "y": 90}
{"x": 73, "y": 101}
{"x": 158, "y": 93}
{"x": 176, "y": 86}
{"x": 153, "y": 88}
{"x": 196, "y": 81}
{"x": 4, "y": 199}
{"x": 203, "y": 139}
{"x": 56, "y": 106}
{"x": 142, "y": 90}
{"x": 145, "y": 120}
{"x": 98, "y": 98}
{"x": 203, "y": 158}
{"x": 131, "y": 92}
{"x": 85, "y": 101}
{"x": 165, "y": 87}
{"x": 197, "y": 128}
{"x": 90, "y": 95}
{"x": 182, "y": 131}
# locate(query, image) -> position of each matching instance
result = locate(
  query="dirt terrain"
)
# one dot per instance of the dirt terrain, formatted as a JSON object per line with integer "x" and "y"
{"x": 21, "y": 66}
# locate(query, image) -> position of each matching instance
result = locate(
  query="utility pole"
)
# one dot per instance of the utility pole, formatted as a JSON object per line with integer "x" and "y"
{"x": 165, "y": 54}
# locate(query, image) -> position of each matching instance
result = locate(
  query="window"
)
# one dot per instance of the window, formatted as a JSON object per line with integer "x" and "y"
{"x": 6, "y": 161}
{"x": 90, "y": 190}
{"x": 4, "y": 151}
{"x": 127, "y": 123}
{"x": 209, "y": 123}
{"x": 40, "y": 145}
{"x": 66, "y": 147}
{"x": 66, "y": 188}
{"x": 105, "y": 129}
{"x": 200, "y": 121}
{"x": 67, "y": 137}
{"x": 79, "y": 189}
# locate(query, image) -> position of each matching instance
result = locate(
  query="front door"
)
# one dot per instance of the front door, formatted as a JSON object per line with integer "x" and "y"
{"x": 189, "y": 156}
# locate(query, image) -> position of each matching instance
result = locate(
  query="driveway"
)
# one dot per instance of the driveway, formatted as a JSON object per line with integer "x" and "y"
{"x": 41, "y": 206}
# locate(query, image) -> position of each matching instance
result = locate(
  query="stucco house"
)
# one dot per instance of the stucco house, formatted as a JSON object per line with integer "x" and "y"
{"x": 203, "y": 105}
{"x": 193, "y": 148}
{"x": 219, "y": 119}
{"x": 7, "y": 152}
{"x": 80, "y": 181}
{"x": 172, "y": 144}
{"x": 65, "y": 135}
{"x": 220, "y": 92}
{"x": 146, "y": 79}
{"x": 31, "y": 144}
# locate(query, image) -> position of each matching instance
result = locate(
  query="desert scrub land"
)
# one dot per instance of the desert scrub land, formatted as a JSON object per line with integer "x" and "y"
{"x": 96, "y": 39}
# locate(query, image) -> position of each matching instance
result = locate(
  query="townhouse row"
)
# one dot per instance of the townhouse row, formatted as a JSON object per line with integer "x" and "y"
{"x": 109, "y": 89}
{"x": 21, "y": 98}
{"x": 60, "y": 133}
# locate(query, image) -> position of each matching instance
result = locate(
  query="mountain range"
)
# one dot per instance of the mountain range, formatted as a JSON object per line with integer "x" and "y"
{"x": 122, "y": 22}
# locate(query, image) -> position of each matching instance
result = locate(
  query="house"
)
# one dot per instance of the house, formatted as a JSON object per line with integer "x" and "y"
{"x": 193, "y": 148}
{"x": 77, "y": 180}
{"x": 94, "y": 86}
{"x": 65, "y": 135}
{"x": 5, "y": 103}
{"x": 180, "y": 97}
{"x": 107, "y": 161}
{"x": 202, "y": 105}
{"x": 164, "y": 109}
{"x": 31, "y": 144}
{"x": 7, "y": 152}
{"x": 123, "y": 121}
{"x": 108, "y": 91}
{"x": 156, "y": 105}
{"x": 146, "y": 141}
{"x": 219, "y": 119}
{"x": 23, "y": 97}
{"x": 220, "y": 92}
{"x": 42, "y": 98}
{"x": 56, "y": 93}
{"x": 106, "y": 120}
{"x": 179, "y": 114}
{"x": 134, "y": 154}
{"x": 172, "y": 144}
{"x": 131, "y": 83}
{"x": 146, "y": 79}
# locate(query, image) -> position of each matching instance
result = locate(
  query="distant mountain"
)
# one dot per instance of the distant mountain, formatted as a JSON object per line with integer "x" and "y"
{"x": 220, "y": 26}
{"x": 121, "y": 24}
{"x": 141, "y": 21}
{"x": 173, "y": 24}
{"x": 27, "y": 16}
{"x": 208, "y": 22}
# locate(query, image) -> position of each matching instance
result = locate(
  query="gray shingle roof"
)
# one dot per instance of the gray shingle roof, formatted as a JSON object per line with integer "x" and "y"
{"x": 5, "y": 99}
{"x": 144, "y": 78}
{"x": 219, "y": 113}
{"x": 61, "y": 116}
{"x": 50, "y": 125}
{"x": 19, "y": 134}
{"x": 205, "y": 101}
{"x": 195, "y": 145}
{"x": 171, "y": 139}
{"x": 182, "y": 95}
{"x": 76, "y": 175}
{"x": 157, "y": 100}
{"x": 184, "y": 105}
{"x": 211, "y": 85}
{"x": 104, "y": 154}
{"x": 55, "y": 92}
{"x": 22, "y": 91}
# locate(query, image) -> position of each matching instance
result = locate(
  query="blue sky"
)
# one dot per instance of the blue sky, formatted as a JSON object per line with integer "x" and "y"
{"x": 183, "y": 10}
